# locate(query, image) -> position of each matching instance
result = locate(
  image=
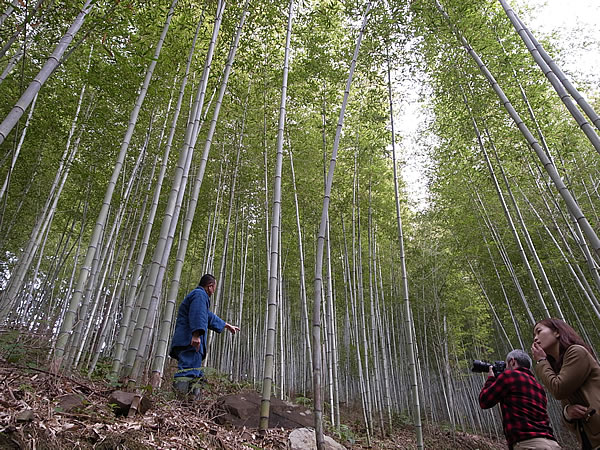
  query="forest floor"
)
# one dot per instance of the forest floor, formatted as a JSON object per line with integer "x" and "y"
{"x": 35, "y": 415}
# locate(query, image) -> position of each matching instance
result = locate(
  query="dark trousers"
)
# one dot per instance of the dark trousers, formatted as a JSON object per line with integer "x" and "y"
{"x": 189, "y": 363}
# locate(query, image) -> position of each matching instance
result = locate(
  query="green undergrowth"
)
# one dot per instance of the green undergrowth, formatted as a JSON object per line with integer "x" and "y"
{"x": 23, "y": 348}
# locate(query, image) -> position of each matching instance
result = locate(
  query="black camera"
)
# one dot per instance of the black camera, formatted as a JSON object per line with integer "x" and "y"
{"x": 482, "y": 367}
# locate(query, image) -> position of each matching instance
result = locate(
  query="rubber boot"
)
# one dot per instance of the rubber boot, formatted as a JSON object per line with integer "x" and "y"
{"x": 181, "y": 386}
{"x": 196, "y": 389}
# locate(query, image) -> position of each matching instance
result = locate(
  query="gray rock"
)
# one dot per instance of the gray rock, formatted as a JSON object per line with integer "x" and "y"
{"x": 25, "y": 416}
{"x": 121, "y": 402}
{"x": 70, "y": 403}
{"x": 243, "y": 410}
{"x": 304, "y": 439}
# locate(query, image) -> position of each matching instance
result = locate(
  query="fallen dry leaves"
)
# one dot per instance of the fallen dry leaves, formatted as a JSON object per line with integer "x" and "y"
{"x": 171, "y": 424}
{"x": 30, "y": 418}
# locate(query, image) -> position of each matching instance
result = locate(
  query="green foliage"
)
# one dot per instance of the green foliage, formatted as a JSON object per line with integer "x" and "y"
{"x": 23, "y": 348}
{"x": 401, "y": 419}
{"x": 304, "y": 401}
{"x": 222, "y": 382}
{"x": 10, "y": 347}
{"x": 345, "y": 434}
{"x": 256, "y": 447}
{"x": 102, "y": 372}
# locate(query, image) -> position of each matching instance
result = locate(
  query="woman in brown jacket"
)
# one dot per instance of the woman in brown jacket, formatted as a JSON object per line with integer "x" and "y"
{"x": 566, "y": 365}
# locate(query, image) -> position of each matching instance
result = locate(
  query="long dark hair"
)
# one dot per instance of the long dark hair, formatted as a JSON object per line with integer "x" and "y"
{"x": 567, "y": 336}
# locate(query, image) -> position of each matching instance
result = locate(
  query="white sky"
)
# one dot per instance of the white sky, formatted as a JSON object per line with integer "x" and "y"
{"x": 574, "y": 25}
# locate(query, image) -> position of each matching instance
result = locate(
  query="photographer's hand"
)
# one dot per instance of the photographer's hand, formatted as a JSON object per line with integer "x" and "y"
{"x": 491, "y": 372}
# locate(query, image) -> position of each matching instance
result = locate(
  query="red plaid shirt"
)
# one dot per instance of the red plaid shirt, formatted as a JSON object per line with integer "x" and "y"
{"x": 523, "y": 403}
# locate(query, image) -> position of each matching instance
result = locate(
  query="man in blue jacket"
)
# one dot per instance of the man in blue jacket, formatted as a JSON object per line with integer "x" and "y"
{"x": 188, "y": 346}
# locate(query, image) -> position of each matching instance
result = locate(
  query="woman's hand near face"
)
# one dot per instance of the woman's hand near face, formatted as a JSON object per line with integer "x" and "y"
{"x": 537, "y": 351}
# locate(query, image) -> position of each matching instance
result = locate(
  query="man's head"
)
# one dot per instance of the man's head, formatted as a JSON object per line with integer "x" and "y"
{"x": 208, "y": 283}
{"x": 518, "y": 358}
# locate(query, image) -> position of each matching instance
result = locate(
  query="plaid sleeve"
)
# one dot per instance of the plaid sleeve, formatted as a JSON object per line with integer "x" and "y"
{"x": 492, "y": 391}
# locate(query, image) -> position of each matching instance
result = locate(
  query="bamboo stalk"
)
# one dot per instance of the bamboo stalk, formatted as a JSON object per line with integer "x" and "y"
{"x": 271, "y": 316}
{"x": 34, "y": 87}
{"x": 409, "y": 324}
{"x": 318, "y": 406}
{"x": 67, "y": 323}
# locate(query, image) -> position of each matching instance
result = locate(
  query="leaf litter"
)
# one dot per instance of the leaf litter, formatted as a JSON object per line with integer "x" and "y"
{"x": 31, "y": 418}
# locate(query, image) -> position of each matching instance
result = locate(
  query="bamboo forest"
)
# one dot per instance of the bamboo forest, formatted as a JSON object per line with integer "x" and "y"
{"x": 144, "y": 143}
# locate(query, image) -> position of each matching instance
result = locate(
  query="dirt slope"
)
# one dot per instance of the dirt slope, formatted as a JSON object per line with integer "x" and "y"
{"x": 45, "y": 411}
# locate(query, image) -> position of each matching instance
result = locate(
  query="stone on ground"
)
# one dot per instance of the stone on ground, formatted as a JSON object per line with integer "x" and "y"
{"x": 70, "y": 403}
{"x": 304, "y": 439}
{"x": 121, "y": 402}
{"x": 243, "y": 410}
{"x": 25, "y": 416}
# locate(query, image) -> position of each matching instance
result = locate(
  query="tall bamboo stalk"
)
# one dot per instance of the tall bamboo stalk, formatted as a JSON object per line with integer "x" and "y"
{"x": 408, "y": 312}
{"x": 303, "y": 299}
{"x": 9, "y": 10}
{"x": 67, "y": 324}
{"x": 579, "y": 98}
{"x": 332, "y": 331}
{"x": 557, "y": 78}
{"x": 274, "y": 242}
{"x": 34, "y": 87}
{"x": 17, "y": 150}
{"x": 318, "y": 283}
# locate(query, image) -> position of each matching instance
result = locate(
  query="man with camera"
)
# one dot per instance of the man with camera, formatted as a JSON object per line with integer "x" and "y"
{"x": 522, "y": 401}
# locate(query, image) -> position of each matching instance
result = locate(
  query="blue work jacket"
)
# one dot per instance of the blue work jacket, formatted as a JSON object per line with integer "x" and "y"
{"x": 193, "y": 315}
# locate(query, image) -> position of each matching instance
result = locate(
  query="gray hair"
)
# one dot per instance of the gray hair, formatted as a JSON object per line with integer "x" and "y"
{"x": 522, "y": 358}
